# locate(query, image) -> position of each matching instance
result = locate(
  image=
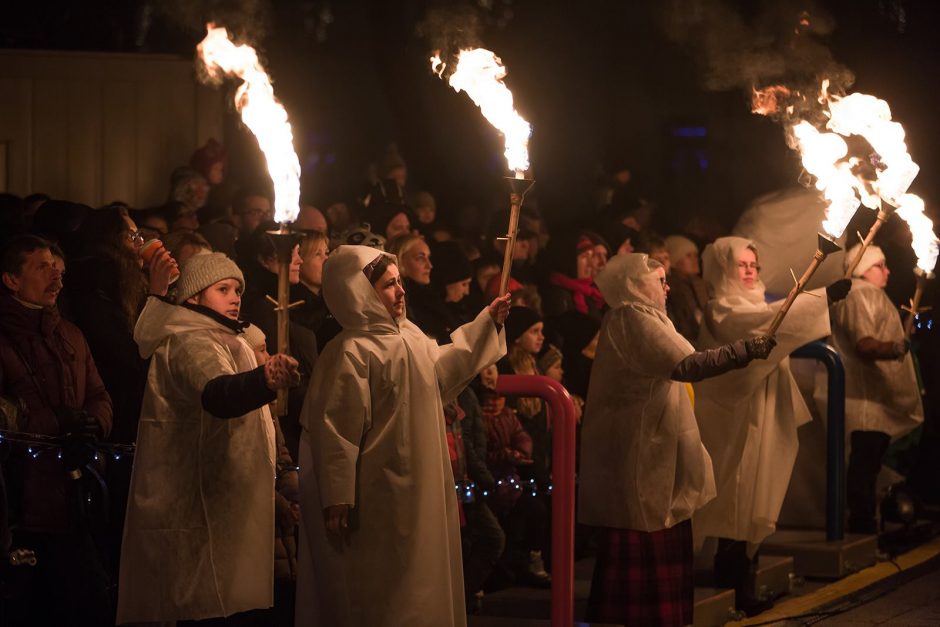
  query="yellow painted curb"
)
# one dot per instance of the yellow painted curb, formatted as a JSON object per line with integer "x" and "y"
{"x": 844, "y": 587}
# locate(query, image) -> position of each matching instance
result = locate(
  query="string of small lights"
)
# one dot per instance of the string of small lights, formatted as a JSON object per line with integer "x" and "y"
{"x": 37, "y": 444}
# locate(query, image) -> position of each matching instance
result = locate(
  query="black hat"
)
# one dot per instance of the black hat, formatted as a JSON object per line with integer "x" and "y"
{"x": 450, "y": 265}
{"x": 518, "y": 322}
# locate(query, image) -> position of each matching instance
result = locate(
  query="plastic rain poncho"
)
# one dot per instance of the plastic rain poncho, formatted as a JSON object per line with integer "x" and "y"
{"x": 199, "y": 533}
{"x": 374, "y": 439}
{"x": 880, "y": 395}
{"x": 749, "y": 418}
{"x": 643, "y": 466}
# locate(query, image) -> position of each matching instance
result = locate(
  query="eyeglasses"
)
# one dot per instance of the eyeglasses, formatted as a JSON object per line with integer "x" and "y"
{"x": 753, "y": 266}
{"x": 664, "y": 283}
{"x": 880, "y": 265}
{"x": 135, "y": 236}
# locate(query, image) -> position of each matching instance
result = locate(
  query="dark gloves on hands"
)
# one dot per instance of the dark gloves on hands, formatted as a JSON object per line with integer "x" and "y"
{"x": 79, "y": 425}
{"x": 838, "y": 290}
{"x": 901, "y": 348}
{"x": 759, "y": 347}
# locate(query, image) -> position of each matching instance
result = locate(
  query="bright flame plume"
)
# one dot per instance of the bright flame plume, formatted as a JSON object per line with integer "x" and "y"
{"x": 480, "y": 74}
{"x": 261, "y": 112}
{"x": 848, "y": 180}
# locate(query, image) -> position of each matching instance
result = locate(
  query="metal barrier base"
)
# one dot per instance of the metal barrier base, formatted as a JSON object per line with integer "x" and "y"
{"x": 774, "y": 576}
{"x": 813, "y": 556}
{"x": 713, "y": 607}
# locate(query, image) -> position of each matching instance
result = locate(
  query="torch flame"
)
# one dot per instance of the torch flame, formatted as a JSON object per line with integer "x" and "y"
{"x": 261, "y": 112}
{"x": 923, "y": 240}
{"x": 480, "y": 73}
{"x": 844, "y": 179}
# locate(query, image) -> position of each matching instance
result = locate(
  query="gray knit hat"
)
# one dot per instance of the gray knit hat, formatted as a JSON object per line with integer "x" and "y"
{"x": 201, "y": 271}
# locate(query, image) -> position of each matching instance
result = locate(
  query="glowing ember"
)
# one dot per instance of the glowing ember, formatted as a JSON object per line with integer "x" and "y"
{"x": 480, "y": 73}
{"x": 767, "y": 101}
{"x": 923, "y": 240}
{"x": 261, "y": 112}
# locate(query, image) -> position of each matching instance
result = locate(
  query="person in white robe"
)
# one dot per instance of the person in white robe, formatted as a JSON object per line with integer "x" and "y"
{"x": 882, "y": 398}
{"x": 644, "y": 470}
{"x": 749, "y": 418}
{"x": 380, "y": 536}
{"x": 199, "y": 534}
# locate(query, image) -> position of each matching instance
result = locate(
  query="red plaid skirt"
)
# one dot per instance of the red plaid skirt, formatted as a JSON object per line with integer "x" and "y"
{"x": 643, "y": 578}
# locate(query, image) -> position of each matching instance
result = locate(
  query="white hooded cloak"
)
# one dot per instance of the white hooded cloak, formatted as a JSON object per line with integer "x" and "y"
{"x": 374, "y": 439}
{"x": 749, "y": 417}
{"x": 199, "y": 533}
{"x": 643, "y": 465}
{"x": 880, "y": 395}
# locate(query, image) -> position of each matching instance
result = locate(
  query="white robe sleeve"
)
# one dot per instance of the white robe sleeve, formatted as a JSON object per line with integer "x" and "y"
{"x": 197, "y": 358}
{"x": 475, "y": 346}
{"x": 337, "y": 415}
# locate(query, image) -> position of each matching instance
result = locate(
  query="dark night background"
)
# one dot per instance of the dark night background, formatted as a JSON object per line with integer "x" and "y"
{"x": 600, "y": 81}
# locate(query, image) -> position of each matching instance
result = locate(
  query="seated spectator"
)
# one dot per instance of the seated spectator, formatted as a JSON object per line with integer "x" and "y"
{"x": 570, "y": 285}
{"x": 688, "y": 293}
{"x": 184, "y": 244}
{"x": 47, "y": 365}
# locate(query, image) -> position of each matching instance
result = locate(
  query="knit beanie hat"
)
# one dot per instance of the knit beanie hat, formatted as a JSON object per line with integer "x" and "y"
{"x": 550, "y": 356}
{"x": 450, "y": 264}
{"x": 201, "y": 271}
{"x": 679, "y": 246}
{"x": 255, "y": 337}
{"x": 518, "y": 322}
{"x": 870, "y": 257}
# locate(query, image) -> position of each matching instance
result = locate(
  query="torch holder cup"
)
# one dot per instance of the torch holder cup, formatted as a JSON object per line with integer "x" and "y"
{"x": 517, "y": 191}
{"x": 825, "y": 246}
{"x": 284, "y": 242}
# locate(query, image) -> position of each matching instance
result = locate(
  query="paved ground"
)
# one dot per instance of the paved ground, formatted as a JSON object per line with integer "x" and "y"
{"x": 912, "y": 604}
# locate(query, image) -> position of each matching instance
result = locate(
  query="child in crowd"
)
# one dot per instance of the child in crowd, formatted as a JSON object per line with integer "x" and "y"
{"x": 200, "y": 517}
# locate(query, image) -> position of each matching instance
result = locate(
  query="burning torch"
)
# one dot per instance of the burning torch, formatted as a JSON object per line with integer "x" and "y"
{"x": 480, "y": 74}
{"x": 266, "y": 118}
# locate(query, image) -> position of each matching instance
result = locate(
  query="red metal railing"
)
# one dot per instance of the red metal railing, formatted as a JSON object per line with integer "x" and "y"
{"x": 562, "y": 416}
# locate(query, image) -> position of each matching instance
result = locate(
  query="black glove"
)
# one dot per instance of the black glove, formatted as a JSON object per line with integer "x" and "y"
{"x": 838, "y": 290}
{"x": 901, "y": 348}
{"x": 79, "y": 424}
{"x": 759, "y": 347}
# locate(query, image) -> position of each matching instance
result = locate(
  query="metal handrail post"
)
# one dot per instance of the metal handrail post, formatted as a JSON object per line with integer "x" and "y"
{"x": 835, "y": 434}
{"x": 562, "y": 416}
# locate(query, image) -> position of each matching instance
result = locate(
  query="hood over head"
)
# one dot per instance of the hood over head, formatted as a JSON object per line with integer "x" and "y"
{"x": 348, "y": 293}
{"x": 720, "y": 271}
{"x": 628, "y": 279}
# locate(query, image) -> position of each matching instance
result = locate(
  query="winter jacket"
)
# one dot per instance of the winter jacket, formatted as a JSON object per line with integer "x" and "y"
{"x": 46, "y": 363}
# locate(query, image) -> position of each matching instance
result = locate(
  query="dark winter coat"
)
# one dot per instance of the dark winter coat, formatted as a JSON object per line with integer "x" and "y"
{"x": 46, "y": 362}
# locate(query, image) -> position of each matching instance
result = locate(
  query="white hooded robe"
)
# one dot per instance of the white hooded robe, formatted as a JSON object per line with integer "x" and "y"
{"x": 749, "y": 418}
{"x": 643, "y": 465}
{"x": 199, "y": 533}
{"x": 374, "y": 439}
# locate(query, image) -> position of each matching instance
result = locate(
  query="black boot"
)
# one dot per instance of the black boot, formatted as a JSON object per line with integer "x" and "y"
{"x": 734, "y": 569}
{"x": 867, "y": 449}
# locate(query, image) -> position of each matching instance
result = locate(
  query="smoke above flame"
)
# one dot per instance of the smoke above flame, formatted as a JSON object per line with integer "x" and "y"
{"x": 480, "y": 73}
{"x": 261, "y": 113}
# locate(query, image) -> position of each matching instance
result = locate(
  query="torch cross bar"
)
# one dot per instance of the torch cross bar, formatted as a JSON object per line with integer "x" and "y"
{"x": 915, "y": 302}
{"x": 284, "y": 242}
{"x": 824, "y": 248}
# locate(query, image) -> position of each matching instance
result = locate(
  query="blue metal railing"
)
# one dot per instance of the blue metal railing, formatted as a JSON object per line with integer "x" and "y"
{"x": 835, "y": 434}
